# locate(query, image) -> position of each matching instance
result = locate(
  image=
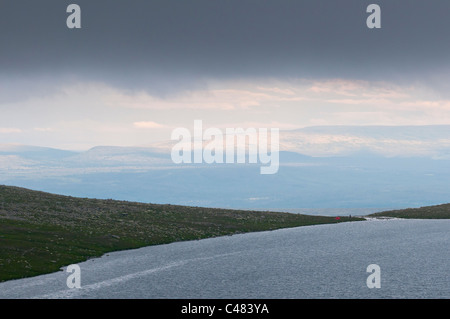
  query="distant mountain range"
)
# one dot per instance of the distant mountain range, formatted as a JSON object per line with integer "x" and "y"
{"x": 429, "y": 141}
{"x": 320, "y": 167}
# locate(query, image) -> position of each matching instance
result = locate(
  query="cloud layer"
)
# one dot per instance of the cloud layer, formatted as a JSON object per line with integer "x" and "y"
{"x": 135, "y": 71}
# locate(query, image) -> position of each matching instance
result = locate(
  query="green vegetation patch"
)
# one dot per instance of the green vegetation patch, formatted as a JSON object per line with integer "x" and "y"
{"x": 428, "y": 212}
{"x": 41, "y": 232}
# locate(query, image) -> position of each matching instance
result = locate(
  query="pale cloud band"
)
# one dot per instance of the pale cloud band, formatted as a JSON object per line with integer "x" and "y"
{"x": 98, "y": 114}
{"x": 8, "y": 130}
{"x": 148, "y": 125}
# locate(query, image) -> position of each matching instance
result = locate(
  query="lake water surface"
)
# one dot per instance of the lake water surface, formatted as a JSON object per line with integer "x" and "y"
{"x": 322, "y": 261}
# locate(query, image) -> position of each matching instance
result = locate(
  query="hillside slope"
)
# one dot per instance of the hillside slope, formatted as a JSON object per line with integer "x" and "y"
{"x": 41, "y": 232}
{"x": 428, "y": 212}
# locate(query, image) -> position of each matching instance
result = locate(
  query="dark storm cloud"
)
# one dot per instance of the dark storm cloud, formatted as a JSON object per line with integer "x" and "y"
{"x": 166, "y": 44}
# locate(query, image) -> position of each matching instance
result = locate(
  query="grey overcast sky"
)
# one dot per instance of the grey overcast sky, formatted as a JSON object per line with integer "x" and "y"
{"x": 138, "y": 68}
